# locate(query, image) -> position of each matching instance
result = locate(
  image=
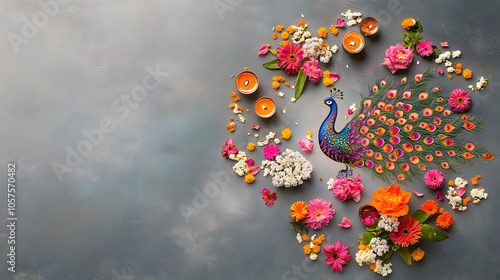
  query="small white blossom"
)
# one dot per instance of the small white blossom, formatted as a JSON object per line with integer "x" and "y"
{"x": 471, "y": 87}
{"x": 351, "y": 22}
{"x": 418, "y": 62}
{"x": 388, "y": 223}
{"x": 383, "y": 270}
{"x": 236, "y": 109}
{"x": 482, "y": 83}
{"x": 379, "y": 246}
{"x": 478, "y": 194}
{"x": 448, "y": 63}
{"x": 456, "y": 53}
{"x": 330, "y": 183}
{"x": 256, "y": 135}
{"x": 242, "y": 118}
{"x": 313, "y": 256}
{"x": 353, "y": 17}
{"x": 460, "y": 182}
{"x": 450, "y": 69}
{"x": 284, "y": 111}
{"x": 454, "y": 200}
{"x": 241, "y": 167}
{"x": 293, "y": 99}
{"x": 277, "y": 141}
{"x": 365, "y": 256}
{"x": 299, "y": 237}
{"x": 334, "y": 48}
{"x": 281, "y": 94}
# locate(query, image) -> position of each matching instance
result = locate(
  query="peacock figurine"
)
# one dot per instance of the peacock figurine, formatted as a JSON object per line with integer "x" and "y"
{"x": 400, "y": 130}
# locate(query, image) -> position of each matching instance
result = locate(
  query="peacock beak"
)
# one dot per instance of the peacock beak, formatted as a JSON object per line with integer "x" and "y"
{"x": 322, "y": 102}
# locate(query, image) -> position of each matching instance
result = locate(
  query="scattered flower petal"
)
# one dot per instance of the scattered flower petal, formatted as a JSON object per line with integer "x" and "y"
{"x": 417, "y": 193}
{"x": 334, "y": 76}
{"x": 346, "y": 223}
{"x": 264, "y": 49}
{"x": 444, "y": 44}
{"x": 340, "y": 23}
{"x": 439, "y": 195}
{"x": 254, "y": 126}
{"x": 440, "y": 70}
{"x": 461, "y": 191}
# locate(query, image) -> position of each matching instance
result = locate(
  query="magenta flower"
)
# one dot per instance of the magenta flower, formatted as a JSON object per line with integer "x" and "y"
{"x": 348, "y": 188}
{"x": 264, "y": 49}
{"x": 252, "y": 170}
{"x": 290, "y": 58}
{"x": 397, "y": 57}
{"x": 434, "y": 179}
{"x": 305, "y": 145}
{"x": 425, "y": 48}
{"x": 340, "y": 23}
{"x": 269, "y": 197}
{"x": 337, "y": 255}
{"x": 312, "y": 70}
{"x": 319, "y": 213}
{"x": 229, "y": 148}
{"x": 459, "y": 100}
{"x": 271, "y": 151}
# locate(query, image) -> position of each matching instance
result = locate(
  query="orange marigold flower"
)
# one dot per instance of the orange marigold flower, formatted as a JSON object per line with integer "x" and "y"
{"x": 450, "y": 76}
{"x": 279, "y": 28}
{"x": 467, "y": 73}
{"x": 240, "y": 109}
{"x": 441, "y": 210}
{"x": 363, "y": 246}
{"x": 275, "y": 36}
{"x": 391, "y": 201}
{"x": 317, "y": 241}
{"x": 322, "y": 237}
{"x": 458, "y": 71}
{"x": 276, "y": 85}
{"x": 474, "y": 180}
{"x": 430, "y": 207}
{"x": 284, "y": 43}
{"x": 334, "y": 30}
{"x": 249, "y": 178}
{"x": 373, "y": 266}
{"x": 322, "y": 32}
{"x": 284, "y": 35}
{"x": 408, "y": 23}
{"x": 444, "y": 220}
{"x": 232, "y": 105}
{"x": 417, "y": 254}
{"x": 299, "y": 210}
{"x": 302, "y": 23}
{"x": 328, "y": 82}
{"x": 458, "y": 66}
{"x": 251, "y": 146}
{"x": 291, "y": 29}
{"x": 466, "y": 201}
{"x": 307, "y": 249}
{"x": 451, "y": 183}
{"x": 287, "y": 84}
{"x": 231, "y": 119}
{"x": 305, "y": 237}
{"x": 316, "y": 249}
{"x": 231, "y": 127}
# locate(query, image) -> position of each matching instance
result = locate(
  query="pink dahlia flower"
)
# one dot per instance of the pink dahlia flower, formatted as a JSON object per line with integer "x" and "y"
{"x": 337, "y": 255}
{"x": 347, "y": 188}
{"x": 289, "y": 58}
{"x": 229, "y": 148}
{"x": 319, "y": 213}
{"x": 271, "y": 151}
{"x": 434, "y": 179}
{"x": 305, "y": 145}
{"x": 312, "y": 70}
{"x": 425, "y": 48}
{"x": 397, "y": 57}
{"x": 459, "y": 100}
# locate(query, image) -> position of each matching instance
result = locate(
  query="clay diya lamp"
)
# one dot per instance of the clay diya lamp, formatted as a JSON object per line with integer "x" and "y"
{"x": 368, "y": 214}
{"x": 265, "y": 107}
{"x": 368, "y": 26}
{"x": 353, "y": 42}
{"x": 247, "y": 82}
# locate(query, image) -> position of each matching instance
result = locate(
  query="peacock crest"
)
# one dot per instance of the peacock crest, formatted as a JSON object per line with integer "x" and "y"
{"x": 401, "y": 129}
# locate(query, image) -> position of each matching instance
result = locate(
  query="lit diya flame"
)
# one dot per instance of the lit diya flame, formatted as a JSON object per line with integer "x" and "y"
{"x": 353, "y": 42}
{"x": 368, "y": 26}
{"x": 265, "y": 107}
{"x": 247, "y": 82}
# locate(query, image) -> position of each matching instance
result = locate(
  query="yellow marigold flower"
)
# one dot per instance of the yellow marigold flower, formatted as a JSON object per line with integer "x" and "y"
{"x": 322, "y": 237}
{"x": 291, "y": 29}
{"x": 316, "y": 249}
{"x": 278, "y": 79}
{"x": 450, "y": 76}
{"x": 467, "y": 73}
{"x": 458, "y": 71}
{"x": 232, "y": 105}
{"x": 302, "y": 23}
{"x": 287, "y": 84}
{"x": 251, "y": 146}
{"x": 326, "y": 74}
{"x": 417, "y": 254}
{"x": 458, "y": 66}
{"x": 305, "y": 237}
{"x": 307, "y": 249}
{"x": 249, "y": 178}
{"x": 231, "y": 119}
{"x": 286, "y": 133}
{"x": 322, "y": 32}
{"x": 231, "y": 127}
{"x": 363, "y": 247}
{"x": 451, "y": 183}
{"x": 317, "y": 241}
{"x": 276, "y": 85}
{"x": 327, "y": 82}
{"x": 284, "y": 43}
{"x": 408, "y": 23}
{"x": 284, "y": 35}
{"x": 309, "y": 133}
{"x": 279, "y": 28}
{"x": 334, "y": 30}
{"x": 275, "y": 36}
{"x": 325, "y": 45}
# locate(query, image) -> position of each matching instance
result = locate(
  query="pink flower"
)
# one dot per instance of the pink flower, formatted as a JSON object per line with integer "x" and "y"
{"x": 264, "y": 49}
{"x": 229, "y": 148}
{"x": 305, "y": 145}
{"x": 459, "y": 100}
{"x": 348, "y": 188}
{"x": 397, "y": 57}
{"x": 337, "y": 255}
{"x": 440, "y": 70}
{"x": 439, "y": 195}
{"x": 254, "y": 126}
{"x": 319, "y": 213}
{"x": 289, "y": 58}
{"x": 271, "y": 151}
{"x": 425, "y": 48}
{"x": 312, "y": 70}
{"x": 269, "y": 197}
{"x": 340, "y": 23}
{"x": 252, "y": 170}
{"x": 434, "y": 179}
{"x": 346, "y": 223}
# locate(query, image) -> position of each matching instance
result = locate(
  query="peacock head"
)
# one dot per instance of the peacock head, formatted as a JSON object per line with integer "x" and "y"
{"x": 330, "y": 101}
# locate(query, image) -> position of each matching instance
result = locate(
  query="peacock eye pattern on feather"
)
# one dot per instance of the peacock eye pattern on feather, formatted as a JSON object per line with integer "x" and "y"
{"x": 402, "y": 129}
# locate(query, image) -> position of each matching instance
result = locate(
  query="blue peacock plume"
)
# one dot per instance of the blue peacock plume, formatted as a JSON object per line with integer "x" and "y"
{"x": 401, "y": 129}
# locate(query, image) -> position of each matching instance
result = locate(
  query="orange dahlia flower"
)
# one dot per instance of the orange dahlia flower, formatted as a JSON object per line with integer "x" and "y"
{"x": 391, "y": 201}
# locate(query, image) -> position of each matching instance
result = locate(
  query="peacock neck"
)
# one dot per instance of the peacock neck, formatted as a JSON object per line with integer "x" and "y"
{"x": 328, "y": 126}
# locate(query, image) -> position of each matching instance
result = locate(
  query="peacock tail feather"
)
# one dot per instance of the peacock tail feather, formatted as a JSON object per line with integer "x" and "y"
{"x": 403, "y": 128}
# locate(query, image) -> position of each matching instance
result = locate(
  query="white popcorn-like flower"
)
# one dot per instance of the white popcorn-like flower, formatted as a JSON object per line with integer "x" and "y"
{"x": 313, "y": 256}
{"x": 299, "y": 237}
{"x": 460, "y": 182}
{"x": 365, "y": 256}
{"x": 478, "y": 194}
{"x": 388, "y": 223}
{"x": 281, "y": 94}
{"x": 334, "y": 49}
{"x": 353, "y": 17}
{"x": 438, "y": 60}
{"x": 256, "y": 135}
{"x": 450, "y": 69}
{"x": 446, "y": 54}
{"x": 293, "y": 99}
{"x": 456, "y": 53}
{"x": 290, "y": 169}
{"x": 242, "y": 118}
{"x": 448, "y": 63}
{"x": 454, "y": 200}
{"x": 330, "y": 183}
{"x": 443, "y": 57}
{"x": 353, "y": 107}
{"x": 351, "y": 22}
{"x": 241, "y": 168}
{"x": 383, "y": 270}
{"x": 471, "y": 87}
{"x": 277, "y": 141}
{"x": 379, "y": 246}
{"x": 482, "y": 83}
{"x": 236, "y": 109}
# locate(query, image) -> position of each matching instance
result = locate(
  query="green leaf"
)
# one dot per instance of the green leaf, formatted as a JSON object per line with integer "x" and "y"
{"x": 418, "y": 26}
{"x": 387, "y": 255}
{"x": 372, "y": 228}
{"x": 273, "y": 64}
{"x": 273, "y": 51}
{"x": 420, "y": 215}
{"x": 436, "y": 52}
{"x": 366, "y": 238}
{"x": 405, "y": 254}
{"x": 299, "y": 85}
{"x": 432, "y": 234}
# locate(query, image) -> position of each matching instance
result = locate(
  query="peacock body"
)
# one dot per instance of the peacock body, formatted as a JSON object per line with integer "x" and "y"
{"x": 401, "y": 129}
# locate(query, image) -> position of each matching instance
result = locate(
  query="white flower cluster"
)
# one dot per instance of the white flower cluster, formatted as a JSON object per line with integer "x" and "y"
{"x": 450, "y": 69}
{"x": 263, "y": 166}
{"x": 379, "y": 246}
{"x": 456, "y": 53}
{"x": 242, "y": 119}
{"x": 448, "y": 63}
{"x": 478, "y": 194}
{"x": 236, "y": 109}
{"x": 281, "y": 94}
{"x": 383, "y": 270}
{"x": 480, "y": 84}
{"x": 460, "y": 182}
{"x": 443, "y": 57}
{"x": 264, "y": 142}
{"x": 334, "y": 48}
{"x": 314, "y": 48}
{"x": 241, "y": 167}
{"x": 389, "y": 224}
{"x": 365, "y": 256}
{"x": 330, "y": 183}
{"x": 300, "y": 34}
{"x": 290, "y": 169}
{"x": 353, "y": 17}
{"x": 454, "y": 200}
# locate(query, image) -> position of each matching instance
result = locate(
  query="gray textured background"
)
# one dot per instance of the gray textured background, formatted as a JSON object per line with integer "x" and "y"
{"x": 116, "y": 214}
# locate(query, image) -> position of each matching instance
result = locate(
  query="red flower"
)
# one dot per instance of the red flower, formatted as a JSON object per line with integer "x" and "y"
{"x": 409, "y": 232}
{"x": 269, "y": 197}
{"x": 229, "y": 148}
{"x": 290, "y": 58}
